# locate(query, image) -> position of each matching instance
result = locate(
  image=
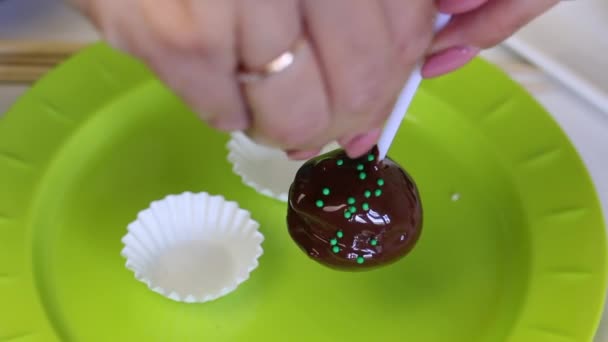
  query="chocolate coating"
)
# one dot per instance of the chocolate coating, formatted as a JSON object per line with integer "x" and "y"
{"x": 354, "y": 214}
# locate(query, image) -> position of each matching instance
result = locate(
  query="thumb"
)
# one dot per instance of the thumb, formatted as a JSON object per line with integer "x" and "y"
{"x": 489, "y": 24}
{"x": 459, "y": 6}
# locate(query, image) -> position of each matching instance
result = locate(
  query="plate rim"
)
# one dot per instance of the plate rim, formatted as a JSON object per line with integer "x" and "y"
{"x": 25, "y": 165}
{"x": 563, "y": 74}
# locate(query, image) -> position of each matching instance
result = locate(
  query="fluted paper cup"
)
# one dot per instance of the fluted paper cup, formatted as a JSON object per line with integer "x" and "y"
{"x": 193, "y": 247}
{"x": 265, "y": 169}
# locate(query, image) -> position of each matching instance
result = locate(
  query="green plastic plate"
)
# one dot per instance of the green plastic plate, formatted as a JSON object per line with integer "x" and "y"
{"x": 513, "y": 247}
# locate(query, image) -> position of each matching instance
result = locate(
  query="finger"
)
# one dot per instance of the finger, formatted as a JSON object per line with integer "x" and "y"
{"x": 411, "y": 25}
{"x": 459, "y": 6}
{"x": 448, "y": 60}
{"x": 157, "y": 33}
{"x": 111, "y": 21}
{"x": 360, "y": 66}
{"x": 212, "y": 93}
{"x": 489, "y": 24}
{"x": 360, "y": 144}
{"x": 303, "y": 155}
{"x": 356, "y": 145}
{"x": 289, "y": 108}
{"x": 192, "y": 50}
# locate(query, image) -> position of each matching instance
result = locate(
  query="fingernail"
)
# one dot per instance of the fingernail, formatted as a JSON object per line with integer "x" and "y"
{"x": 302, "y": 155}
{"x": 448, "y": 60}
{"x": 361, "y": 144}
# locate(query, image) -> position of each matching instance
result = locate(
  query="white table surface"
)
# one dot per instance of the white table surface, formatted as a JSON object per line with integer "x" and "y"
{"x": 586, "y": 126}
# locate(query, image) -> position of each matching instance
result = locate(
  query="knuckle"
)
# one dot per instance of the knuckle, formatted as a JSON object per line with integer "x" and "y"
{"x": 180, "y": 37}
{"x": 182, "y": 33}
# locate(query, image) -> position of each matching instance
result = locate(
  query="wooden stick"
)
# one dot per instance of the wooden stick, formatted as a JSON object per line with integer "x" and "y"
{"x": 26, "y": 61}
{"x": 21, "y": 73}
{"x": 26, "y": 47}
{"x": 32, "y": 60}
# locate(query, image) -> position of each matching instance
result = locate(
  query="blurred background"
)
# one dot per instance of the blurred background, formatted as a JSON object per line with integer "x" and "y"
{"x": 560, "y": 59}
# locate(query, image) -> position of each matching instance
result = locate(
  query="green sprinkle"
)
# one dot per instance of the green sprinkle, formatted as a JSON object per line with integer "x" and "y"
{"x": 367, "y": 194}
{"x": 380, "y": 182}
{"x": 378, "y": 192}
{"x": 365, "y": 206}
{"x": 370, "y": 157}
{"x": 340, "y": 234}
{"x": 347, "y": 214}
{"x": 362, "y": 175}
{"x": 360, "y": 260}
{"x": 319, "y": 203}
{"x": 333, "y": 242}
{"x": 360, "y": 167}
{"x": 351, "y": 200}
{"x": 335, "y": 249}
{"x": 325, "y": 191}
{"x": 373, "y": 242}
{"x": 353, "y": 209}
{"x": 340, "y": 162}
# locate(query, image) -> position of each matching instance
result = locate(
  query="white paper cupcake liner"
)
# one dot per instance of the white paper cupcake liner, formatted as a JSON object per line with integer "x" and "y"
{"x": 265, "y": 169}
{"x": 193, "y": 247}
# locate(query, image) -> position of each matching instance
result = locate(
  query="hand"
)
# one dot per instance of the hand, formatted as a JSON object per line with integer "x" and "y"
{"x": 476, "y": 25}
{"x": 355, "y": 57}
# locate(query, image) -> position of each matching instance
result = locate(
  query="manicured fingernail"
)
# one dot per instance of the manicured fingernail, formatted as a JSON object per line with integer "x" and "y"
{"x": 448, "y": 60}
{"x": 361, "y": 144}
{"x": 303, "y": 155}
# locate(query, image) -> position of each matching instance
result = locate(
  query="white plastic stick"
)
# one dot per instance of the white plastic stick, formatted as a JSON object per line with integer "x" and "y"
{"x": 404, "y": 100}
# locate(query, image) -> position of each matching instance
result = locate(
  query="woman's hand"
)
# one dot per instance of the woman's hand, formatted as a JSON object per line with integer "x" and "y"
{"x": 354, "y": 58}
{"x": 476, "y": 25}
